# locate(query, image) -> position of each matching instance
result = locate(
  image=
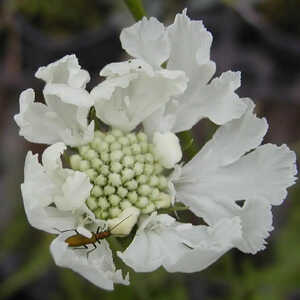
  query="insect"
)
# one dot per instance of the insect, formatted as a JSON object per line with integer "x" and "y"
{"x": 77, "y": 240}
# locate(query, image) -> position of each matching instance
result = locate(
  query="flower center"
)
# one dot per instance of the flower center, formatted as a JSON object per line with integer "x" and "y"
{"x": 124, "y": 171}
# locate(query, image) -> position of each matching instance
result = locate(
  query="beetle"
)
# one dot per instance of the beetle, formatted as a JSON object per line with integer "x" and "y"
{"x": 77, "y": 240}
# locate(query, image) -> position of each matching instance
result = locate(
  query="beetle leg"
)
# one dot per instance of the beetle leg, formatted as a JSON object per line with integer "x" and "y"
{"x": 88, "y": 252}
{"x": 98, "y": 229}
{"x": 84, "y": 247}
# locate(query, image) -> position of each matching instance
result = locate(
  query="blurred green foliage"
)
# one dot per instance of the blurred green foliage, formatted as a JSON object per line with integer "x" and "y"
{"x": 285, "y": 14}
{"x": 63, "y": 17}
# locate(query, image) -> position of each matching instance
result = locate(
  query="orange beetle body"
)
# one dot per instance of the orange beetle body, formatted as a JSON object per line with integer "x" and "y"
{"x": 77, "y": 240}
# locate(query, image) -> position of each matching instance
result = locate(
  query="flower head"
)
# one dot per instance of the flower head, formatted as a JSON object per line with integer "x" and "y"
{"x": 124, "y": 169}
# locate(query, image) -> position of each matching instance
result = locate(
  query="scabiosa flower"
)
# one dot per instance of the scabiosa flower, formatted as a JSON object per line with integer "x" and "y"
{"x": 130, "y": 174}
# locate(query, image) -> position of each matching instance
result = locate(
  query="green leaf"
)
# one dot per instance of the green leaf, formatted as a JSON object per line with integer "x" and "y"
{"x": 136, "y": 8}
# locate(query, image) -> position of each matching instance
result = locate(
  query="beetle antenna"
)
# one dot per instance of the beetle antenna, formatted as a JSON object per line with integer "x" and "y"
{"x": 120, "y": 223}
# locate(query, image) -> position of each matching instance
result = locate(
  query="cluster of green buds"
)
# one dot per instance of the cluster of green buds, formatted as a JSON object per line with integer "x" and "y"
{"x": 125, "y": 171}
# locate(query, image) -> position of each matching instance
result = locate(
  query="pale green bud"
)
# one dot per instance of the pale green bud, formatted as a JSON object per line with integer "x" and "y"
{"x": 84, "y": 165}
{"x": 131, "y": 185}
{"x": 153, "y": 180}
{"x": 104, "y": 170}
{"x": 90, "y": 154}
{"x": 104, "y": 156}
{"x": 127, "y": 174}
{"x": 142, "y": 137}
{"x": 155, "y": 194}
{"x": 138, "y": 168}
{"x": 144, "y": 189}
{"x": 75, "y": 161}
{"x": 114, "y": 179}
{"x": 116, "y": 167}
{"x": 140, "y": 158}
{"x": 125, "y": 204}
{"x": 148, "y": 169}
{"x": 96, "y": 163}
{"x": 132, "y": 138}
{"x": 97, "y": 191}
{"x": 127, "y": 150}
{"x": 142, "y": 179}
{"x": 116, "y": 155}
{"x": 128, "y": 161}
{"x": 142, "y": 202}
{"x": 132, "y": 196}
{"x": 101, "y": 180}
{"x": 163, "y": 183}
{"x": 136, "y": 149}
{"x": 91, "y": 203}
{"x": 115, "y": 146}
{"x": 109, "y": 190}
{"x": 116, "y": 132}
{"x": 123, "y": 141}
{"x": 148, "y": 209}
{"x": 122, "y": 192}
{"x": 114, "y": 200}
{"x": 114, "y": 212}
{"x": 103, "y": 203}
{"x": 109, "y": 138}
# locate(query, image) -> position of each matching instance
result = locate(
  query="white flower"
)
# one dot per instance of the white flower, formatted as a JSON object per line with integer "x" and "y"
{"x": 131, "y": 174}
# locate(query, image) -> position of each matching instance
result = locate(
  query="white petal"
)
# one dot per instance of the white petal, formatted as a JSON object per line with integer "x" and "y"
{"x": 125, "y": 101}
{"x": 98, "y": 268}
{"x": 158, "y": 241}
{"x": 167, "y": 148}
{"x": 51, "y": 156}
{"x": 75, "y": 190}
{"x": 148, "y": 40}
{"x": 125, "y": 221}
{"x": 162, "y": 120}
{"x": 255, "y": 216}
{"x": 207, "y": 245}
{"x": 66, "y": 71}
{"x": 190, "y": 50}
{"x": 265, "y": 173}
{"x": 231, "y": 141}
{"x": 216, "y": 101}
{"x": 63, "y": 120}
{"x": 37, "y": 191}
{"x": 256, "y": 219}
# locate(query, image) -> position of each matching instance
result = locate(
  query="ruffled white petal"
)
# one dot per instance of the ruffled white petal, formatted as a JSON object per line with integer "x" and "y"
{"x": 51, "y": 184}
{"x": 65, "y": 71}
{"x": 98, "y": 268}
{"x": 157, "y": 242}
{"x": 265, "y": 173}
{"x": 126, "y": 100}
{"x": 190, "y": 50}
{"x": 216, "y": 101}
{"x": 63, "y": 119}
{"x": 208, "y": 243}
{"x": 167, "y": 149}
{"x": 231, "y": 141}
{"x": 37, "y": 191}
{"x": 147, "y": 40}
{"x": 160, "y": 240}
{"x": 219, "y": 176}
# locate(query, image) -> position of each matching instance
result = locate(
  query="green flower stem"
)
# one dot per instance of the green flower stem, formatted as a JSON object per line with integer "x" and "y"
{"x": 136, "y": 8}
{"x": 188, "y": 144}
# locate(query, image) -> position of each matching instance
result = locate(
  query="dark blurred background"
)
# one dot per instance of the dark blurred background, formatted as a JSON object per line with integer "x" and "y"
{"x": 259, "y": 38}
